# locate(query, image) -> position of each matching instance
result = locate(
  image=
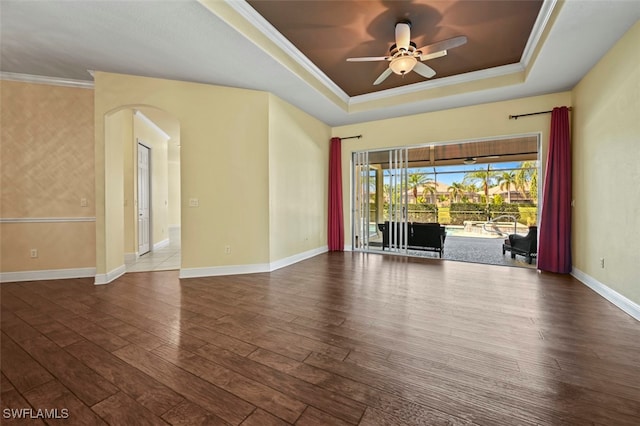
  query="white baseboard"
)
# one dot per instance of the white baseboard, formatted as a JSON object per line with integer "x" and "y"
{"x": 110, "y": 276}
{"x": 249, "y": 269}
{"x": 131, "y": 257}
{"x": 161, "y": 244}
{"x": 214, "y": 271}
{"x": 297, "y": 258}
{"x": 47, "y": 274}
{"x": 620, "y": 301}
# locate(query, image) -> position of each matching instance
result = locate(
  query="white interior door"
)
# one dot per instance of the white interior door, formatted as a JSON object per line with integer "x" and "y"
{"x": 144, "y": 198}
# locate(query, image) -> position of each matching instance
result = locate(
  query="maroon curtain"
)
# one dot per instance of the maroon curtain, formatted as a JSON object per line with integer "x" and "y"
{"x": 336, "y": 225}
{"x": 554, "y": 249}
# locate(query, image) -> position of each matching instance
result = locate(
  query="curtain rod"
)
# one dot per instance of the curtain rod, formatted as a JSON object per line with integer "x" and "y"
{"x": 515, "y": 117}
{"x": 352, "y": 137}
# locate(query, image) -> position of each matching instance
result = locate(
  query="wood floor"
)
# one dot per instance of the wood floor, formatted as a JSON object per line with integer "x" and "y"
{"x": 339, "y": 339}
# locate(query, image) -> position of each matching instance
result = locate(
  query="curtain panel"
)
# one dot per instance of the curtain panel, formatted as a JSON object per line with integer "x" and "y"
{"x": 336, "y": 223}
{"x": 554, "y": 249}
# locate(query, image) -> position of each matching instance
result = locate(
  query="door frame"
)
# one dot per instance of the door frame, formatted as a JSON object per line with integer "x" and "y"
{"x": 140, "y": 144}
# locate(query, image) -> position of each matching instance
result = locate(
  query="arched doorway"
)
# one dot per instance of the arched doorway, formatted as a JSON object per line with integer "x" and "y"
{"x": 127, "y": 129}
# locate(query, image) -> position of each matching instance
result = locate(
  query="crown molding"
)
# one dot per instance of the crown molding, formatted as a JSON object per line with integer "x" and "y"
{"x": 40, "y": 79}
{"x": 539, "y": 26}
{"x": 440, "y": 82}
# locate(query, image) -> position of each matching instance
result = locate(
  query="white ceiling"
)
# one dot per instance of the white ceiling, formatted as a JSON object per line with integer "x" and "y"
{"x": 189, "y": 41}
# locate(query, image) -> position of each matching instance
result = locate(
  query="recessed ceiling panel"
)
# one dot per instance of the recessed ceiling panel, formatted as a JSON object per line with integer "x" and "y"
{"x": 329, "y": 32}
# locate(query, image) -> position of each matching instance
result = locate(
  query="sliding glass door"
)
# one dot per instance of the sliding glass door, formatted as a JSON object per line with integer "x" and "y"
{"x": 380, "y": 199}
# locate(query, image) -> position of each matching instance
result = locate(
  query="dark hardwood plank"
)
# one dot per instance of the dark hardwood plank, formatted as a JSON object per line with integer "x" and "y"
{"x": 262, "y": 418}
{"x": 166, "y": 332}
{"x": 12, "y": 406}
{"x": 256, "y": 328}
{"x": 19, "y": 367}
{"x": 148, "y": 392}
{"x": 16, "y": 328}
{"x": 204, "y": 328}
{"x": 315, "y": 417}
{"x": 5, "y": 384}
{"x": 403, "y": 409}
{"x": 451, "y": 399}
{"x": 119, "y": 409}
{"x": 131, "y": 334}
{"x": 283, "y": 406}
{"x": 53, "y": 395}
{"x": 337, "y": 405}
{"x": 94, "y": 333}
{"x": 220, "y": 402}
{"x": 80, "y": 379}
{"x": 189, "y": 414}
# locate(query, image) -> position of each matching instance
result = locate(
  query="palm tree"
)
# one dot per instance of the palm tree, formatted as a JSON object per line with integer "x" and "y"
{"x": 471, "y": 190}
{"x": 415, "y": 180}
{"x": 429, "y": 190}
{"x": 485, "y": 177}
{"x": 528, "y": 174}
{"x": 505, "y": 179}
{"x": 457, "y": 190}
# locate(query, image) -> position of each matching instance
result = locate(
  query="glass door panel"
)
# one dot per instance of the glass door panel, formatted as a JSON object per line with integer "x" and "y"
{"x": 380, "y": 201}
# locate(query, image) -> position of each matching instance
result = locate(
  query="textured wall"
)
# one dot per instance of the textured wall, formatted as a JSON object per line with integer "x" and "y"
{"x": 606, "y": 175}
{"x": 47, "y": 169}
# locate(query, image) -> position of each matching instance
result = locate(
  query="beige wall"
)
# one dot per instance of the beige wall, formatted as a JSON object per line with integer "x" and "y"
{"x": 224, "y": 164}
{"x": 118, "y": 128}
{"x": 174, "y": 192}
{"x": 298, "y": 180}
{"x": 129, "y": 187}
{"x": 46, "y": 161}
{"x": 469, "y": 123}
{"x": 606, "y": 171}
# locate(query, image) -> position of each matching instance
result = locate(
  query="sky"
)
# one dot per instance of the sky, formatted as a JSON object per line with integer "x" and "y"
{"x": 446, "y": 175}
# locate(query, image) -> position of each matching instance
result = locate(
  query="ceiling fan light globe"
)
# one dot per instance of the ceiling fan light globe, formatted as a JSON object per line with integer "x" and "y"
{"x": 402, "y": 64}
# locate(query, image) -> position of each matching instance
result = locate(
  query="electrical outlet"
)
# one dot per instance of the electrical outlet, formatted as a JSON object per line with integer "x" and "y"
{"x": 602, "y": 262}
{"x": 227, "y": 249}
{"x": 84, "y": 202}
{"x": 34, "y": 253}
{"x": 194, "y": 202}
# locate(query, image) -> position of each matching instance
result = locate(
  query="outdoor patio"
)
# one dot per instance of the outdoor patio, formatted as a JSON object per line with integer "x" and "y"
{"x": 474, "y": 250}
{"x": 478, "y": 250}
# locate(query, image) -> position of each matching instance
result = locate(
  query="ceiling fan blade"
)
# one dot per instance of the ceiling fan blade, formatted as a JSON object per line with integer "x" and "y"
{"x": 383, "y": 76}
{"x": 403, "y": 35}
{"x": 442, "y": 45}
{"x": 424, "y": 70}
{"x": 433, "y": 55}
{"x": 369, "y": 59}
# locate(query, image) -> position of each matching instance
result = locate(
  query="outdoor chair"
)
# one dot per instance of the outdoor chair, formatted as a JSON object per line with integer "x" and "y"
{"x": 524, "y": 245}
{"x": 427, "y": 236}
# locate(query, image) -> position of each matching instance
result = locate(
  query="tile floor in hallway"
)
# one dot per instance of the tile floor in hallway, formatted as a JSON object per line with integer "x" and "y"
{"x": 162, "y": 259}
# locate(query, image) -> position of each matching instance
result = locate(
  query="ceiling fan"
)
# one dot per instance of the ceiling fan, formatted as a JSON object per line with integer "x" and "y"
{"x": 404, "y": 57}
{"x": 472, "y": 160}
